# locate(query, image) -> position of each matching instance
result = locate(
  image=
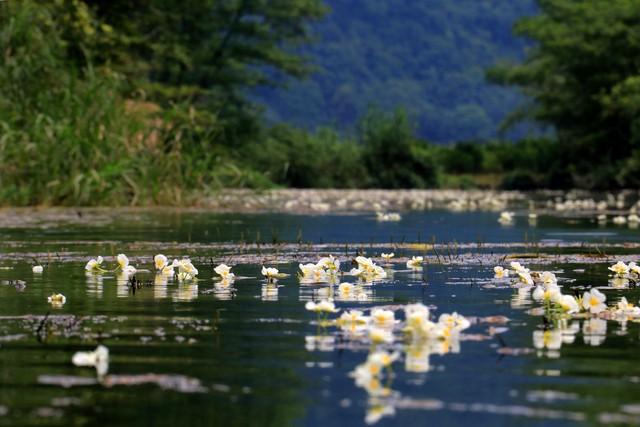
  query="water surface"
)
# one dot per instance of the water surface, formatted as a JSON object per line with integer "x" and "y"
{"x": 252, "y": 355}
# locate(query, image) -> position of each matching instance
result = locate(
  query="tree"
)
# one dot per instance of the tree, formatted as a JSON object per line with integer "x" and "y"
{"x": 209, "y": 49}
{"x": 583, "y": 78}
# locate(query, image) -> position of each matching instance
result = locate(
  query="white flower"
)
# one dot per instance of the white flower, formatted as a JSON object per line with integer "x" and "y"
{"x": 548, "y": 278}
{"x": 387, "y": 256}
{"x": 619, "y": 220}
{"x": 324, "y": 306}
{"x": 382, "y": 318}
{"x": 364, "y": 261}
{"x": 160, "y": 262}
{"x": 568, "y": 303}
{"x": 186, "y": 270}
{"x": 94, "y": 264}
{"x": 525, "y": 277}
{"x": 518, "y": 268}
{"x": 37, "y": 269}
{"x": 224, "y": 271}
{"x": 593, "y": 301}
{"x": 391, "y": 216}
{"x": 367, "y": 270}
{"x": 550, "y": 293}
{"x": 329, "y": 263}
{"x": 415, "y": 262}
{"x": 380, "y": 336}
{"x": 634, "y": 268}
{"x": 625, "y": 309}
{"x": 57, "y": 300}
{"x": 417, "y": 309}
{"x": 270, "y": 273}
{"x": 454, "y": 321}
{"x": 620, "y": 269}
{"x": 505, "y": 218}
{"x": 500, "y": 272}
{"x": 383, "y": 358}
{"x": 353, "y": 316}
{"x": 123, "y": 261}
{"x": 99, "y": 358}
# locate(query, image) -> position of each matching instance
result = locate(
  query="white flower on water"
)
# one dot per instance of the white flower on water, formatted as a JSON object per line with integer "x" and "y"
{"x": 506, "y": 217}
{"x": 224, "y": 271}
{"x": 94, "y": 264}
{"x": 270, "y": 273}
{"x": 367, "y": 270}
{"x": 123, "y": 261}
{"x": 525, "y": 277}
{"x": 329, "y": 263}
{"x": 625, "y": 309}
{"x": 383, "y": 358}
{"x": 388, "y": 256}
{"x": 619, "y": 220}
{"x": 620, "y": 269}
{"x": 37, "y": 269}
{"x": 353, "y": 316}
{"x": 518, "y": 268}
{"x": 160, "y": 262}
{"x": 593, "y": 301}
{"x": 549, "y": 293}
{"x": 380, "y": 336}
{"x": 568, "y": 303}
{"x": 500, "y": 272}
{"x": 548, "y": 278}
{"x": 634, "y": 268}
{"x": 99, "y": 359}
{"x": 454, "y": 321}
{"x": 391, "y": 216}
{"x": 382, "y": 318}
{"x": 324, "y": 306}
{"x": 415, "y": 262}
{"x": 186, "y": 270}
{"x": 417, "y": 309}
{"x": 57, "y": 300}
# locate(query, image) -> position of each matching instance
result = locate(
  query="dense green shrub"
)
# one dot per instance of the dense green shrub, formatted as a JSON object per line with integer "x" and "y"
{"x": 392, "y": 154}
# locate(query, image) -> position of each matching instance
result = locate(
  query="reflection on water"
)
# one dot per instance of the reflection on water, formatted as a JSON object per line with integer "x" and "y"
{"x": 246, "y": 352}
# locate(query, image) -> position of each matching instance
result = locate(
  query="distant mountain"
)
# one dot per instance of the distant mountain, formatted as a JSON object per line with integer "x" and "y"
{"x": 428, "y": 56}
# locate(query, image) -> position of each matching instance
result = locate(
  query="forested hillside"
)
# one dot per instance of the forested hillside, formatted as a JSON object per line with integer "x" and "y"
{"x": 428, "y": 56}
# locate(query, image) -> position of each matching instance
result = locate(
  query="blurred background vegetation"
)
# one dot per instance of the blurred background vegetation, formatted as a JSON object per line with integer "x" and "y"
{"x": 165, "y": 101}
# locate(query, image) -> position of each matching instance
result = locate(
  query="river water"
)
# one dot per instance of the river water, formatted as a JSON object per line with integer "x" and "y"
{"x": 196, "y": 353}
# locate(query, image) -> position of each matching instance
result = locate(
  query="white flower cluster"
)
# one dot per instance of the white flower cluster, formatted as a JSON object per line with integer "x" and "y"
{"x": 326, "y": 270}
{"x": 545, "y": 289}
{"x": 380, "y": 329}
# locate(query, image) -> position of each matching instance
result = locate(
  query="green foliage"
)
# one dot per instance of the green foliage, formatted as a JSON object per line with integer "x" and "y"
{"x": 210, "y": 50}
{"x": 583, "y": 77}
{"x": 425, "y": 56}
{"x": 392, "y": 154}
{"x": 385, "y": 155}
{"x": 299, "y": 159}
{"x": 461, "y": 158}
{"x": 68, "y": 137}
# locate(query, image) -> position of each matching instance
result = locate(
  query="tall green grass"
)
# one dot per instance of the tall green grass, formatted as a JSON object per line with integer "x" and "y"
{"x": 67, "y": 136}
